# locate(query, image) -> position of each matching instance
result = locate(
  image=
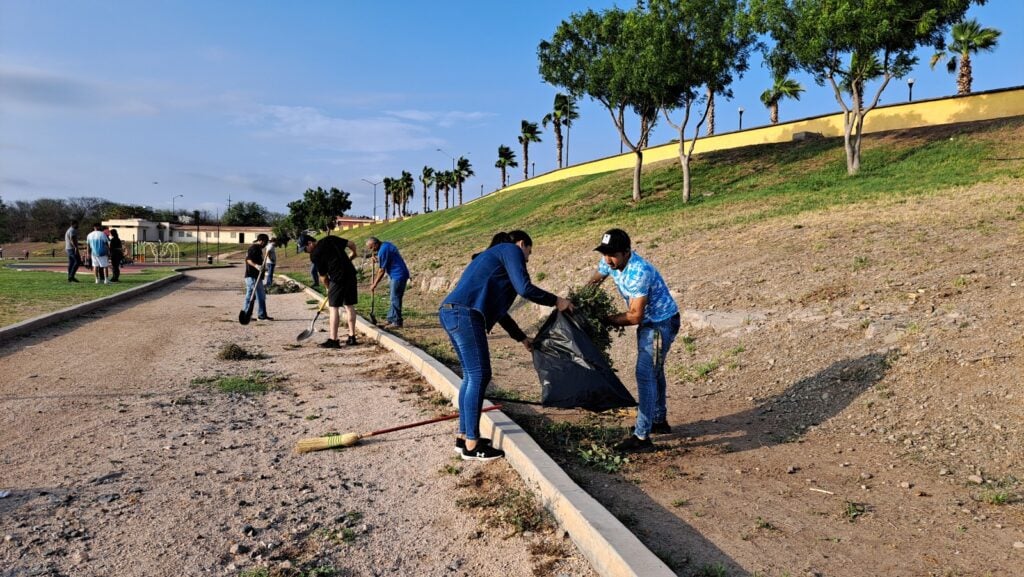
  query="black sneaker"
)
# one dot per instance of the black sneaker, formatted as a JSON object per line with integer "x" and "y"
{"x": 351, "y": 340}
{"x": 330, "y": 344}
{"x": 264, "y": 318}
{"x": 661, "y": 428}
{"x": 633, "y": 443}
{"x": 482, "y": 452}
{"x": 460, "y": 443}
{"x": 72, "y": 279}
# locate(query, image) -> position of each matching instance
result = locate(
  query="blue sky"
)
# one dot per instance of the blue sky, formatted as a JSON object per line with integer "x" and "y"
{"x": 141, "y": 101}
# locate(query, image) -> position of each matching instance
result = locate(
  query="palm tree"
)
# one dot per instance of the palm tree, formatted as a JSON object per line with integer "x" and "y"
{"x": 427, "y": 178}
{"x": 407, "y": 190}
{"x": 782, "y": 88}
{"x": 564, "y": 113}
{"x": 438, "y": 177}
{"x": 463, "y": 171}
{"x": 389, "y": 186}
{"x": 445, "y": 177}
{"x": 528, "y": 133}
{"x": 968, "y": 38}
{"x": 506, "y": 160}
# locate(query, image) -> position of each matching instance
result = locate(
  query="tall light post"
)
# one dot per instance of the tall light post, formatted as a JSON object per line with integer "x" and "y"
{"x": 910, "y": 89}
{"x": 172, "y": 203}
{"x": 374, "y": 197}
{"x": 449, "y": 156}
{"x": 741, "y": 118}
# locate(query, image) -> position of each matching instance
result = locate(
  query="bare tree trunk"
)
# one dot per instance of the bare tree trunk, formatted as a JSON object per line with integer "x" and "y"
{"x": 558, "y": 141}
{"x": 965, "y": 77}
{"x": 637, "y": 170}
{"x": 437, "y": 196}
{"x": 460, "y": 194}
{"x": 774, "y": 112}
{"x": 502, "y": 177}
{"x": 711, "y": 112}
{"x": 526, "y": 160}
{"x": 426, "y": 189}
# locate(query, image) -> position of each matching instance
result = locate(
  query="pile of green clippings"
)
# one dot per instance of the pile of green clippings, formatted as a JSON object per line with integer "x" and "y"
{"x": 592, "y": 305}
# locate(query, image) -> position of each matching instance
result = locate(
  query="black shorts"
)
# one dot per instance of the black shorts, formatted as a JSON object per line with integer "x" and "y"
{"x": 342, "y": 292}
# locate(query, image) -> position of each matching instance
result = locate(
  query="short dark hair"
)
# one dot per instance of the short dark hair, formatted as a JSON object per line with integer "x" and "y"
{"x": 262, "y": 237}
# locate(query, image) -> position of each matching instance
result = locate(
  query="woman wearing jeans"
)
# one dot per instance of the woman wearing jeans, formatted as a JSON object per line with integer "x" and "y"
{"x": 482, "y": 298}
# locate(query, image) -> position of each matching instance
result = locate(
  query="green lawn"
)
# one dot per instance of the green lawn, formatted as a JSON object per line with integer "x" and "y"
{"x": 25, "y": 294}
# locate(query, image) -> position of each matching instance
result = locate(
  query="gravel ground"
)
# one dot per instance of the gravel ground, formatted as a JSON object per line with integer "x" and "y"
{"x": 120, "y": 455}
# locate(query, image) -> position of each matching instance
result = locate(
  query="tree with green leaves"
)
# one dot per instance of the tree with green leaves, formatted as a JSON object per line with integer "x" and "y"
{"x": 406, "y": 190}
{"x": 318, "y": 208}
{"x": 438, "y": 178}
{"x": 782, "y": 87}
{"x": 696, "y": 46}
{"x": 611, "y": 57}
{"x": 968, "y": 38}
{"x": 5, "y": 231}
{"x": 245, "y": 214}
{"x": 506, "y": 160}
{"x": 528, "y": 133}
{"x": 426, "y": 179}
{"x": 562, "y": 114}
{"x": 848, "y": 43}
{"x": 463, "y": 172}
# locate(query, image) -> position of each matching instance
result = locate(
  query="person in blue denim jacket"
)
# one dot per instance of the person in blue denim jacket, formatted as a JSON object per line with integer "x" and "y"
{"x": 653, "y": 309}
{"x": 480, "y": 300}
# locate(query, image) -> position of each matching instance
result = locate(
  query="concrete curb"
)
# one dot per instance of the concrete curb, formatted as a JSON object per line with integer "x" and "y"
{"x": 33, "y": 324}
{"x": 610, "y": 547}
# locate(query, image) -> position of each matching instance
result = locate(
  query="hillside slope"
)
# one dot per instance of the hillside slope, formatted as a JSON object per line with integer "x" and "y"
{"x": 845, "y": 394}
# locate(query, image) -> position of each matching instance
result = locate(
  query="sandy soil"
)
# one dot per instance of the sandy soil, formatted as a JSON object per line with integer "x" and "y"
{"x": 118, "y": 457}
{"x": 845, "y": 394}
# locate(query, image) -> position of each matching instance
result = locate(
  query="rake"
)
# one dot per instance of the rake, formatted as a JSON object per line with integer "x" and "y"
{"x": 349, "y": 439}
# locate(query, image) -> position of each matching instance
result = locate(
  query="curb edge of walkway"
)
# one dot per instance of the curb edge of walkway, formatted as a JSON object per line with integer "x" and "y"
{"x": 42, "y": 321}
{"x": 612, "y": 549}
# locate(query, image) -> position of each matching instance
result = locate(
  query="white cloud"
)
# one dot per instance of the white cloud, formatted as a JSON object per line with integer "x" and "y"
{"x": 311, "y": 127}
{"x": 442, "y": 119}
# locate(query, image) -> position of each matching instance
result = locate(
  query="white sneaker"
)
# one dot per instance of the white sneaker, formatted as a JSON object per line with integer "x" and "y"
{"x": 106, "y": 282}
{"x": 97, "y": 281}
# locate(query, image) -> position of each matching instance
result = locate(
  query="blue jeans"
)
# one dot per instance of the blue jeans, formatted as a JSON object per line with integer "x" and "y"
{"x": 73, "y": 262}
{"x": 261, "y": 296}
{"x": 653, "y": 341}
{"x": 465, "y": 328}
{"x": 313, "y": 273}
{"x": 397, "y": 294}
{"x": 268, "y": 274}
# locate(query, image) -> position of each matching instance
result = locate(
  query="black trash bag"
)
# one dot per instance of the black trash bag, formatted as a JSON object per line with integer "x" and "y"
{"x": 573, "y": 373}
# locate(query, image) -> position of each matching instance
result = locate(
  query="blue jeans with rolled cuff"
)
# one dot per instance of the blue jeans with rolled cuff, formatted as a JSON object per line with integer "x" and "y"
{"x": 465, "y": 328}
{"x": 73, "y": 262}
{"x": 653, "y": 340}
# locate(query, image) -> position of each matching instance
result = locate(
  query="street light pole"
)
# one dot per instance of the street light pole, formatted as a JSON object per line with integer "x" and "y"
{"x": 374, "y": 197}
{"x": 172, "y": 204}
{"x": 910, "y": 89}
{"x": 741, "y": 118}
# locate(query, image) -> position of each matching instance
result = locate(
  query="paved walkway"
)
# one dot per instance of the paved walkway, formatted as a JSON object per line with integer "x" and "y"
{"x": 119, "y": 460}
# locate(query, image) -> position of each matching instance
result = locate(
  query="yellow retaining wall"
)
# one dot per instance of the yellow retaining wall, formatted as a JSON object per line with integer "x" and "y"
{"x": 973, "y": 107}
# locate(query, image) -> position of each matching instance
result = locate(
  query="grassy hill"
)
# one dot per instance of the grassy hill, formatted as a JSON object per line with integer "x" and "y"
{"x": 849, "y": 367}
{"x": 730, "y": 187}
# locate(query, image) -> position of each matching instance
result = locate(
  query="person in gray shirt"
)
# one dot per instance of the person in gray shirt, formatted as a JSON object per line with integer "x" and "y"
{"x": 71, "y": 248}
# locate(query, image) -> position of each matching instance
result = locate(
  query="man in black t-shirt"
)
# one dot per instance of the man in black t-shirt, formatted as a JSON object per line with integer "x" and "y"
{"x": 334, "y": 265}
{"x": 253, "y": 272}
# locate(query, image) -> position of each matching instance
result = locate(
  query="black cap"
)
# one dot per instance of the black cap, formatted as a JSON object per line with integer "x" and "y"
{"x": 304, "y": 239}
{"x": 614, "y": 240}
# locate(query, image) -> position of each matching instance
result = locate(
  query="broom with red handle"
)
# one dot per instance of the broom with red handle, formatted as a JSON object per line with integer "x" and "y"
{"x": 349, "y": 439}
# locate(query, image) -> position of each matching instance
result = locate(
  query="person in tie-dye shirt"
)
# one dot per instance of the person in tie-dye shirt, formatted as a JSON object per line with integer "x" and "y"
{"x": 654, "y": 311}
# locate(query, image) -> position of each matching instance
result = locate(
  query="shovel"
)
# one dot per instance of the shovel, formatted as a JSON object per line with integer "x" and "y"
{"x": 373, "y": 296}
{"x": 245, "y": 315}
{"x": 312, "y": 324}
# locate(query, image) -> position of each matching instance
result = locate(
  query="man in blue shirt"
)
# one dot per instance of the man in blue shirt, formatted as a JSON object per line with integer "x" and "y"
{"x": 653, "y": 309}
{"x": 390, "y": 261}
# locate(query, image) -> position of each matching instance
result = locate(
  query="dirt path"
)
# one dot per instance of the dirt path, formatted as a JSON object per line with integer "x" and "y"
{"x": 117, "y": 463}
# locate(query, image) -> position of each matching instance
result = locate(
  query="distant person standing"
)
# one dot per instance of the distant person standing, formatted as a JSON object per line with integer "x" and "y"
{"x": 271, "y": 262}
{"x": 390, "y": 261}
{"x": 116, "y": 256}
{"x": 1, "y": 253}
{"x": 99, "y": 251}
{"x": 332, "y": 260}
{"x": 253, "y": 280}
{"x": 71, "y": 248}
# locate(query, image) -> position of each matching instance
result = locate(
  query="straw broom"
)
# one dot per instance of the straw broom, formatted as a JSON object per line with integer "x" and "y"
{"x": 349, "y": 439}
